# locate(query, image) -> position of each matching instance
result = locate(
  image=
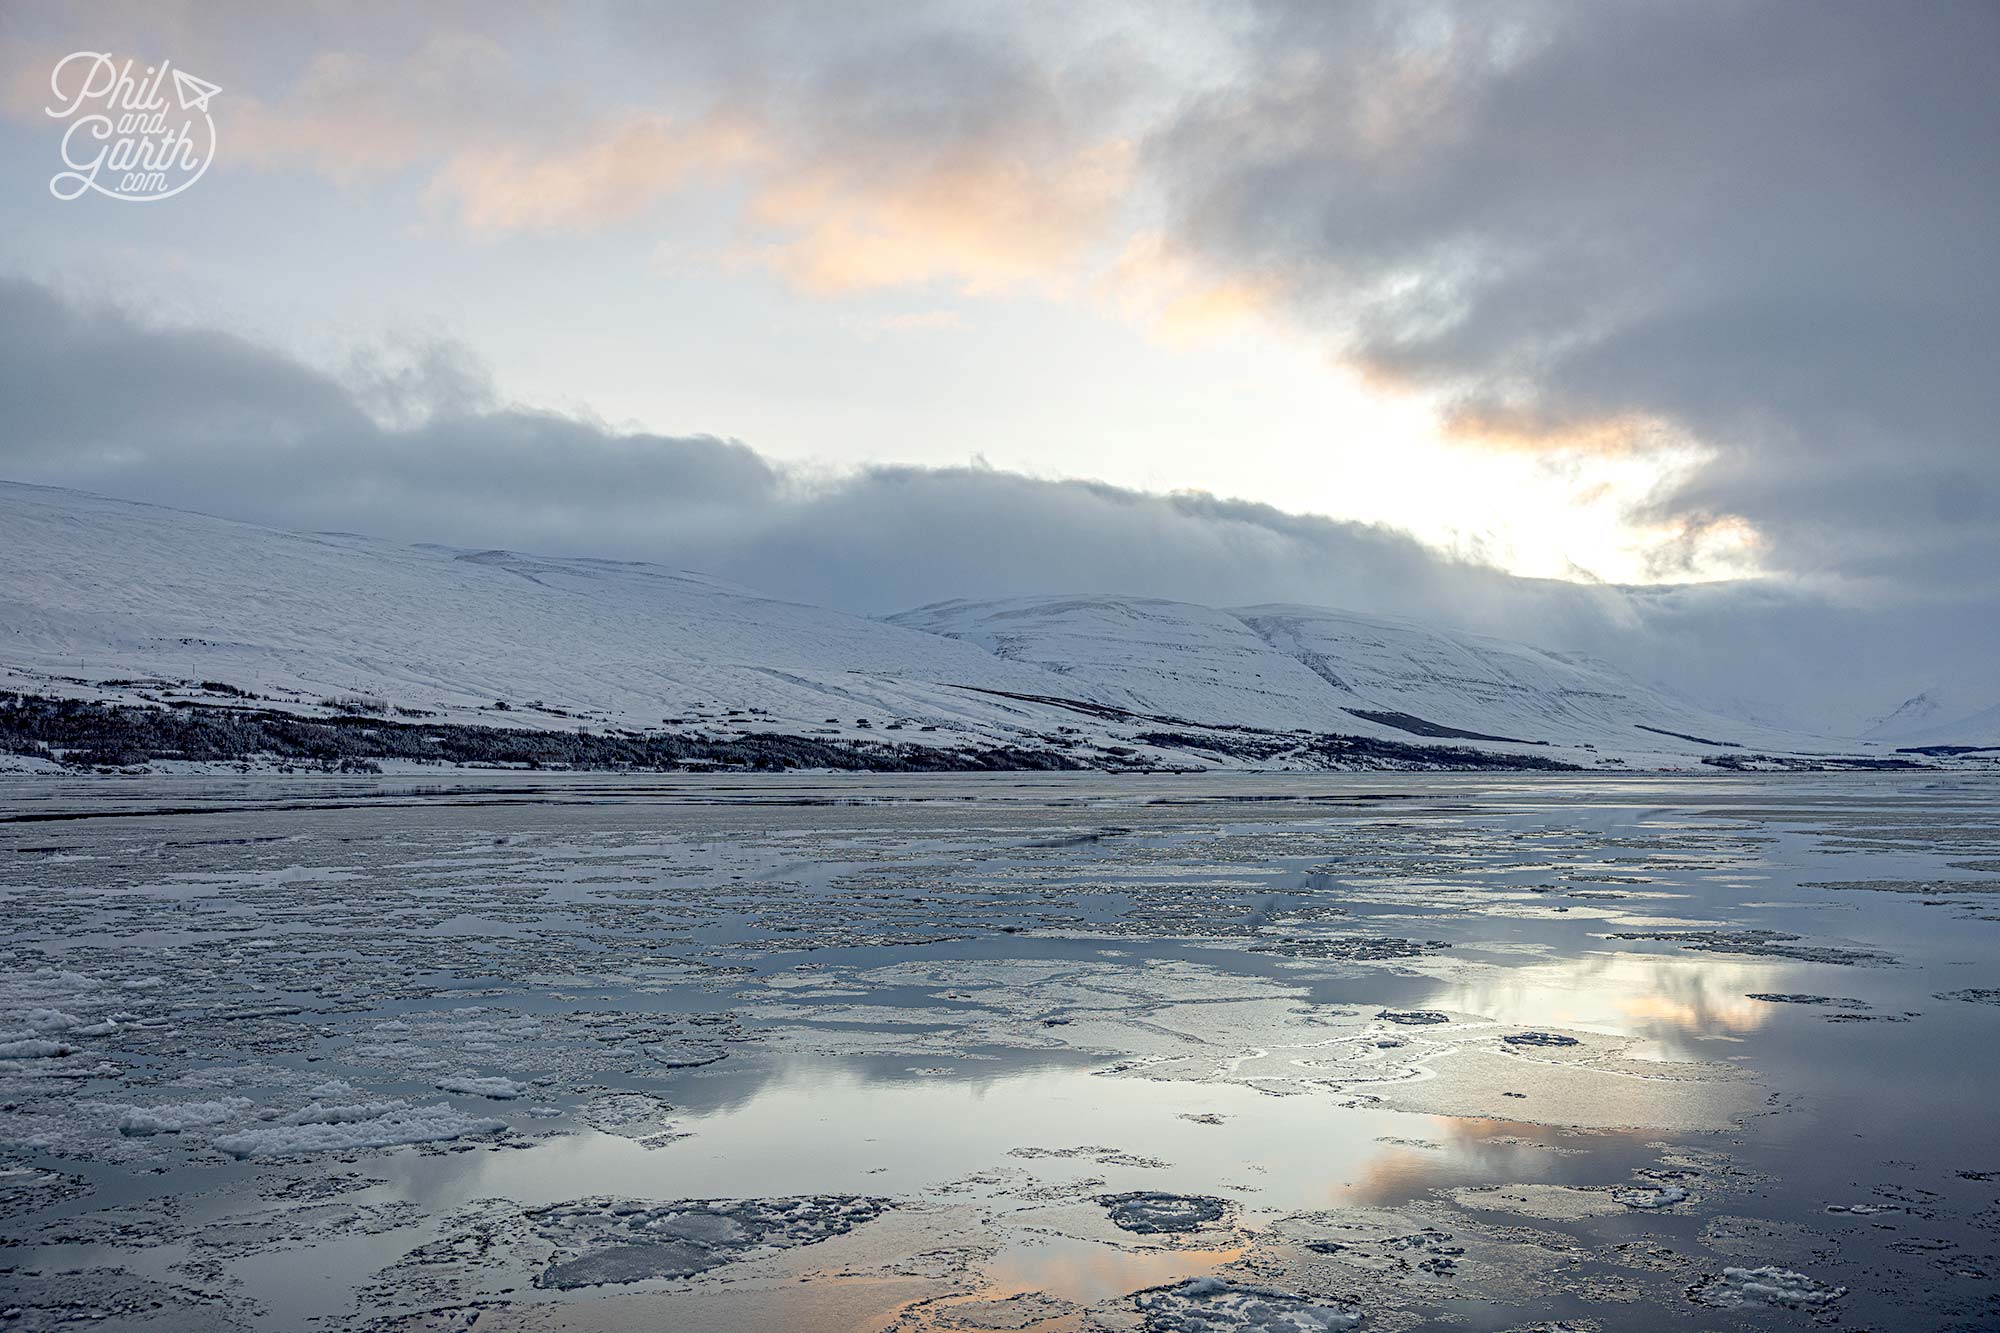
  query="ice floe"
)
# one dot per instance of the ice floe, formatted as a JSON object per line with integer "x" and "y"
{"x": 496, "y": 1088}
{"x": 1760, "y": 943}
{"x": 1650, "y": 1198}
{"x": 1767, "y": 1287}
{"x": 1413, "y": 1017}
{"x": 175, "y": 1117}
{"x": 1154, "y": 1212}
{"x": 1539, "y": 1039}
{"x": 608, "y": 1241}
{"x": 1212, "y": 1305}
{"x": 322, "y": 1128}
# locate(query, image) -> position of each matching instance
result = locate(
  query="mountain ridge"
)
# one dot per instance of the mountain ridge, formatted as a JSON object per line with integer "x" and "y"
{"x": 119, "y": 602}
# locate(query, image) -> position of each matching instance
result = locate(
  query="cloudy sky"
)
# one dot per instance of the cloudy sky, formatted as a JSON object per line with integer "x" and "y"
{"x": 1684, "y": 311}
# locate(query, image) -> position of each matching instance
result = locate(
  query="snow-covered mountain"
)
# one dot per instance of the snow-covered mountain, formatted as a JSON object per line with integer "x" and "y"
{"x": 1939, "y": 716}
{"x": 102, "y": 590}
{"x": 1925, "y": 708}
{"x": 107, "y": 599}
{"x": 1286, "y": 667}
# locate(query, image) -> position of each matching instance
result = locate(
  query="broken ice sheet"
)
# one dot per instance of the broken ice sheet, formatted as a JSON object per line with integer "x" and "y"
{"x": 975, "y": 1013}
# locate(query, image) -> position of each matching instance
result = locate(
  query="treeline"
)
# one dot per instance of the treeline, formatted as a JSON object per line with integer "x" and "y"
{"x": 84, "y": 734}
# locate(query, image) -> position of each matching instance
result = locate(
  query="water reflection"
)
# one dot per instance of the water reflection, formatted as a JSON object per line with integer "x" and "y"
{"x": 818, "y": 1128}
{"x": 1462, "y": 1150}
{"x": 1086, "y": 1273}
{"x": 1656, "y": 996}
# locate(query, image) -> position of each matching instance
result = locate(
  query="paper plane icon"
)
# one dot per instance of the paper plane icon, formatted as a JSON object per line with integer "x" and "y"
{"x": 194, "y": 93}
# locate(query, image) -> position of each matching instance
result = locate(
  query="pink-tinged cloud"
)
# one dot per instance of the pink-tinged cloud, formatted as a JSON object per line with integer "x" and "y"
{"x": 981, "y": 218}
{"x": 614, "y": 176}
{"x": 1179, "y": 297}
{"x": 1495, "y": 425}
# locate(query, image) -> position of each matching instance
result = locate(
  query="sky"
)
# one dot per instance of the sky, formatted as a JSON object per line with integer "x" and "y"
{"x": 1659, "y": 331}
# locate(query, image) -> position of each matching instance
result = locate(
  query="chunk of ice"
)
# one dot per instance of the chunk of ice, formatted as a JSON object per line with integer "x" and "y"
{"x": 173, "y": 1117}
{"x": 499, "y": 1089}
{"x": 320, "y": 1128}
{"x": 1764, "y": 1288}
{"x": 1211, "y": 1305}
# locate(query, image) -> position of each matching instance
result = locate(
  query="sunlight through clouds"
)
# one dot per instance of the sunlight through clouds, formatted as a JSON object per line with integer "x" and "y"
{"x": 1570, "y": 293}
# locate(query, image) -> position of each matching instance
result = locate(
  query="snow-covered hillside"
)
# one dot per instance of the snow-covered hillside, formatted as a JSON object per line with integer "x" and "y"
{"x": 104, "y": 590}
{"x": 1939, "y": 716}
{"x": 1286, "y": 667}
{"x": 113, "y": 600}
{"x": 1486, "y": 684}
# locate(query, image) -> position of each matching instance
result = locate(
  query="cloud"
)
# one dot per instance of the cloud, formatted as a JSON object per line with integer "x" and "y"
{"x": 1180, "y": 299}
{"x": 866, "y": 147}
{"x": 1762, "y": 229}
{"x": 984, "y": 220}
{"x": 623, "y": 168}
{"x": 1756, "y": 234}
{"x": 416, "y": 446}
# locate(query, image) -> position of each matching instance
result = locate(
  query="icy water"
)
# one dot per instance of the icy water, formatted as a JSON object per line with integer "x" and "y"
{"x": 1005, "y": 1052}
